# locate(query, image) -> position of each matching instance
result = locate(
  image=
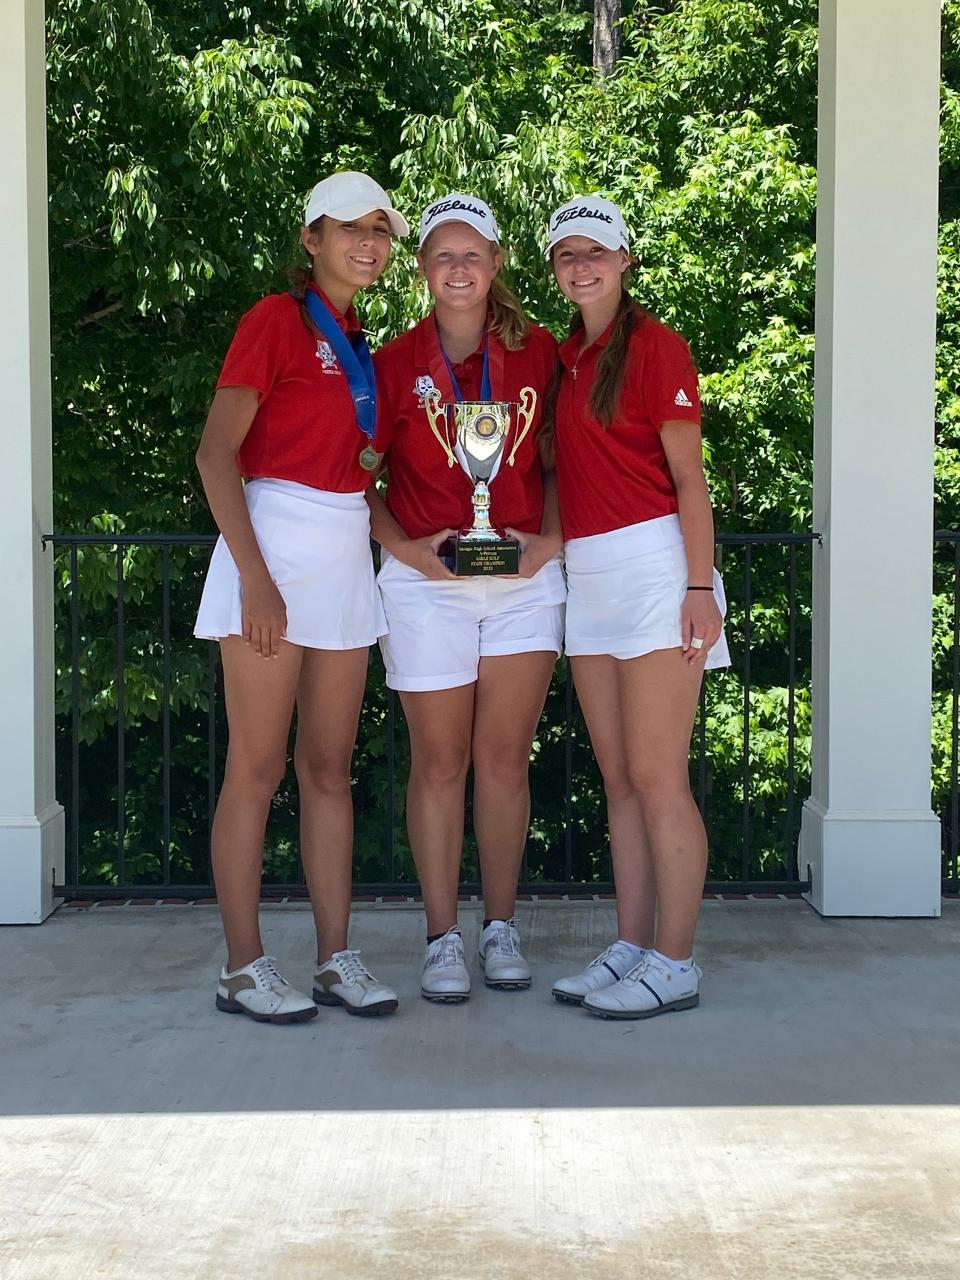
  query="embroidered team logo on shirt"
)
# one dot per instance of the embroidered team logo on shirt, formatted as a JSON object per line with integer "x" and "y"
{"x": 326, "y": 354}
{"x": 423, "y": 387}
{"x": 682, "y": 400}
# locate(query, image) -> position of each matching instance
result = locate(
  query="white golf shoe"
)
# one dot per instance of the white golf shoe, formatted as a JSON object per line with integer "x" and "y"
{"x": 503, "y": 965}
{"x": 445, "y": 978}
{"x": 259, "y": 990}
{"x": 651, "y": 987}
{"x": 345, "y": 980}
{"x": 612, "y": 964}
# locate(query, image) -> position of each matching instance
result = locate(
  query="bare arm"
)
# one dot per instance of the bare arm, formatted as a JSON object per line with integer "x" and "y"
{"x": 231, "y": 414}
{"x": 418, "y": 553}
{"x": 700, "y": 615}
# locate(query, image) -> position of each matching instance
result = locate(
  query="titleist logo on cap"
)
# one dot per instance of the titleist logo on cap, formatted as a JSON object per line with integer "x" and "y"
{"x": 566, "y": 215}
{"x": 443, "y": 205}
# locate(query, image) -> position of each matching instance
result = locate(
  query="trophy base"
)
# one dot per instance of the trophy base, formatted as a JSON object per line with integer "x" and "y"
{"x": 474, "y": 559}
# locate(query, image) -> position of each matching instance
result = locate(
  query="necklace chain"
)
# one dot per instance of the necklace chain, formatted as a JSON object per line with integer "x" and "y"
{"x": 573, "y": 367}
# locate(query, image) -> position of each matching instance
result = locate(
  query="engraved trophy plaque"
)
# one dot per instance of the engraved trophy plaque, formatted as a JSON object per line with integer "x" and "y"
{"x": 476, "y": 433}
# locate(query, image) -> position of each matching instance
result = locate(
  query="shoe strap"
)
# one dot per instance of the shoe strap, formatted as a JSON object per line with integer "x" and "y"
{"x": 604, "y": 958}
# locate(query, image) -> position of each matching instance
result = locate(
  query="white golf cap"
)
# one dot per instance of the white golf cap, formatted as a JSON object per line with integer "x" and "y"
{"x": 349, "y": 195}
{"x": 589, "y": 216}
{"x": 457, "y": 207}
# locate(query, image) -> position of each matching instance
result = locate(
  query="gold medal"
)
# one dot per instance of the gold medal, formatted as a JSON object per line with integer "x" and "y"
{"x": 369, "y": 458}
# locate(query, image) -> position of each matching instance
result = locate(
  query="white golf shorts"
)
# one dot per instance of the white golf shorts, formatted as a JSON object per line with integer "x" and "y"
{"x": 439, "y": 630}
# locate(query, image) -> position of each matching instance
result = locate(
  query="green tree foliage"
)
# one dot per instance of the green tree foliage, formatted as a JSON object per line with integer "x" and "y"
{"x": 947, "y": 464}
{"x": 183, "y": 138}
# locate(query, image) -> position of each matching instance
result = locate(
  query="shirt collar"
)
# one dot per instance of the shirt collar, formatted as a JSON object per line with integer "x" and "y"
{"x": 570, "y": 348}
{"x": 349, "y": 323}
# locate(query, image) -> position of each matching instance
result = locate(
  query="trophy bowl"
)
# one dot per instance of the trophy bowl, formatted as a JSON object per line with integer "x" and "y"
{"x": 475, "y": 433}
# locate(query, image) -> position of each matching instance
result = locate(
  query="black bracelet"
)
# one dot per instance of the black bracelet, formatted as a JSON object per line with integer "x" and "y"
{"x": 699, "y": 588}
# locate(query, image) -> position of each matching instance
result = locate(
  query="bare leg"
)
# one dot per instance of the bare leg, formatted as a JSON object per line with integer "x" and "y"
{"x": 658, "y": 696}
{"x": 329, "y": 697}
{"x": 510, "y": 694}
{"x": 598, "y": 690}
{"x": 440, "y": 724}
{"x": 259, "y": 694}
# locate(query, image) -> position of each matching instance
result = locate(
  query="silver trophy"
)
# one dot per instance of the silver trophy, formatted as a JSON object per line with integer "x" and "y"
{"x": 482, "y": 429}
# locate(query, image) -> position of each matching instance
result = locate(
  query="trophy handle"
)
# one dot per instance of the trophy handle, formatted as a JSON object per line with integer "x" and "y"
{"x": 525, "y": 411}
{"x": 437, "y": 418}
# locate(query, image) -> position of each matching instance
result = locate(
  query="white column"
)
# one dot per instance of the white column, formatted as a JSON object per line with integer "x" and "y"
{"x": 31, "y": 821}
{"x": 869, "y": 838}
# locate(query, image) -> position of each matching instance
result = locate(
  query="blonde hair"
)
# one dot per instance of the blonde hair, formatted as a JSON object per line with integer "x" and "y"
{"x": 508, "y": 320}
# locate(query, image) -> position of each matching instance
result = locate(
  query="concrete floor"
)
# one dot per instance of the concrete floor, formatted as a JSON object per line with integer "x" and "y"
{"x": 804, "y": 1122}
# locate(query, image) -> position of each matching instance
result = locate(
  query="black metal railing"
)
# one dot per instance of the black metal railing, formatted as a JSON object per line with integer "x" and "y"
{"x": 946, "y": 699}
{"x": 141, "y": 736}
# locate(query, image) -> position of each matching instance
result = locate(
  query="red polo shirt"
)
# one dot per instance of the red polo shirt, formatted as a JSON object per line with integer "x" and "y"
{"x": 613, "y": 477}
{"x": 305, "y": 428}
{"x": 424, "y": 493}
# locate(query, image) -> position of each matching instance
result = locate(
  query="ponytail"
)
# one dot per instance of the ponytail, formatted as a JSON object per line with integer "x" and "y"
{"x": 300, "y": 276}
{"x": 612, "y": 365}
{"x": 608, "y": 384}
{"x": 546, "y": 436}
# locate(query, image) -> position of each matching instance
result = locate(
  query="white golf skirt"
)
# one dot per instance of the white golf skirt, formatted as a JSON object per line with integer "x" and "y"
{"x": 625, "y": 590}
{"x": 317, "y": 548}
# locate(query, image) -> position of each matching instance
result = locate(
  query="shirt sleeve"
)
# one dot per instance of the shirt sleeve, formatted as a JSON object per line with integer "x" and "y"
{"x": 259, "y": 351}
{"x": 670, "y": 384}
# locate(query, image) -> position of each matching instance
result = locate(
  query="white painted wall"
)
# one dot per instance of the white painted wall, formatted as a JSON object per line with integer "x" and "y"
{"x": 31, "y": 821}
{"x": 868, "y": 833}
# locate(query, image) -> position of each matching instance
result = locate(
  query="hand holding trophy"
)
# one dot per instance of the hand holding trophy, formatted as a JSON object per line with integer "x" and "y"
{"x": 476, "y": 433}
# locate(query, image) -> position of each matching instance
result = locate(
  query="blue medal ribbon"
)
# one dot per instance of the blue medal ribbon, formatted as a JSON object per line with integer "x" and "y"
{"x": 485, "y": 391}
{"x": 354, "y": 357}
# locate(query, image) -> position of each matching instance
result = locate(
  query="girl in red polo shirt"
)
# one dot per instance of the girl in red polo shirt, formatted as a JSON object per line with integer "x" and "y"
{"x": 285, "y": 458}
{"x": 645, "y": 608}
{"x": 471, "y": 657}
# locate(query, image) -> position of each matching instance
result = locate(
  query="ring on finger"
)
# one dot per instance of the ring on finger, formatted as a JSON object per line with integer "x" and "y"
{"x": 696, "y": 642}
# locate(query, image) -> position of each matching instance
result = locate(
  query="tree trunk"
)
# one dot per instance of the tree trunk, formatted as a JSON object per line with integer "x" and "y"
{"x": 606, "y": 35}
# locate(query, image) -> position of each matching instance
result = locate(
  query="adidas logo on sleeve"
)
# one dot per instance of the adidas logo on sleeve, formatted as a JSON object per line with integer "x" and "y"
{"x": 682, "y": 400}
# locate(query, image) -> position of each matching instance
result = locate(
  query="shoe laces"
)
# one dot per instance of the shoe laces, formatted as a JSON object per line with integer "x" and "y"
{"x": 613, "y": 952}
{"x": 638, "y": 970}
{"x": 352, "y": 967}
{"x": 505, "y": 938}
{"x": 265, "y": 967}
{"x": 658, "y": 966}
{"x": 446, "y": 951}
